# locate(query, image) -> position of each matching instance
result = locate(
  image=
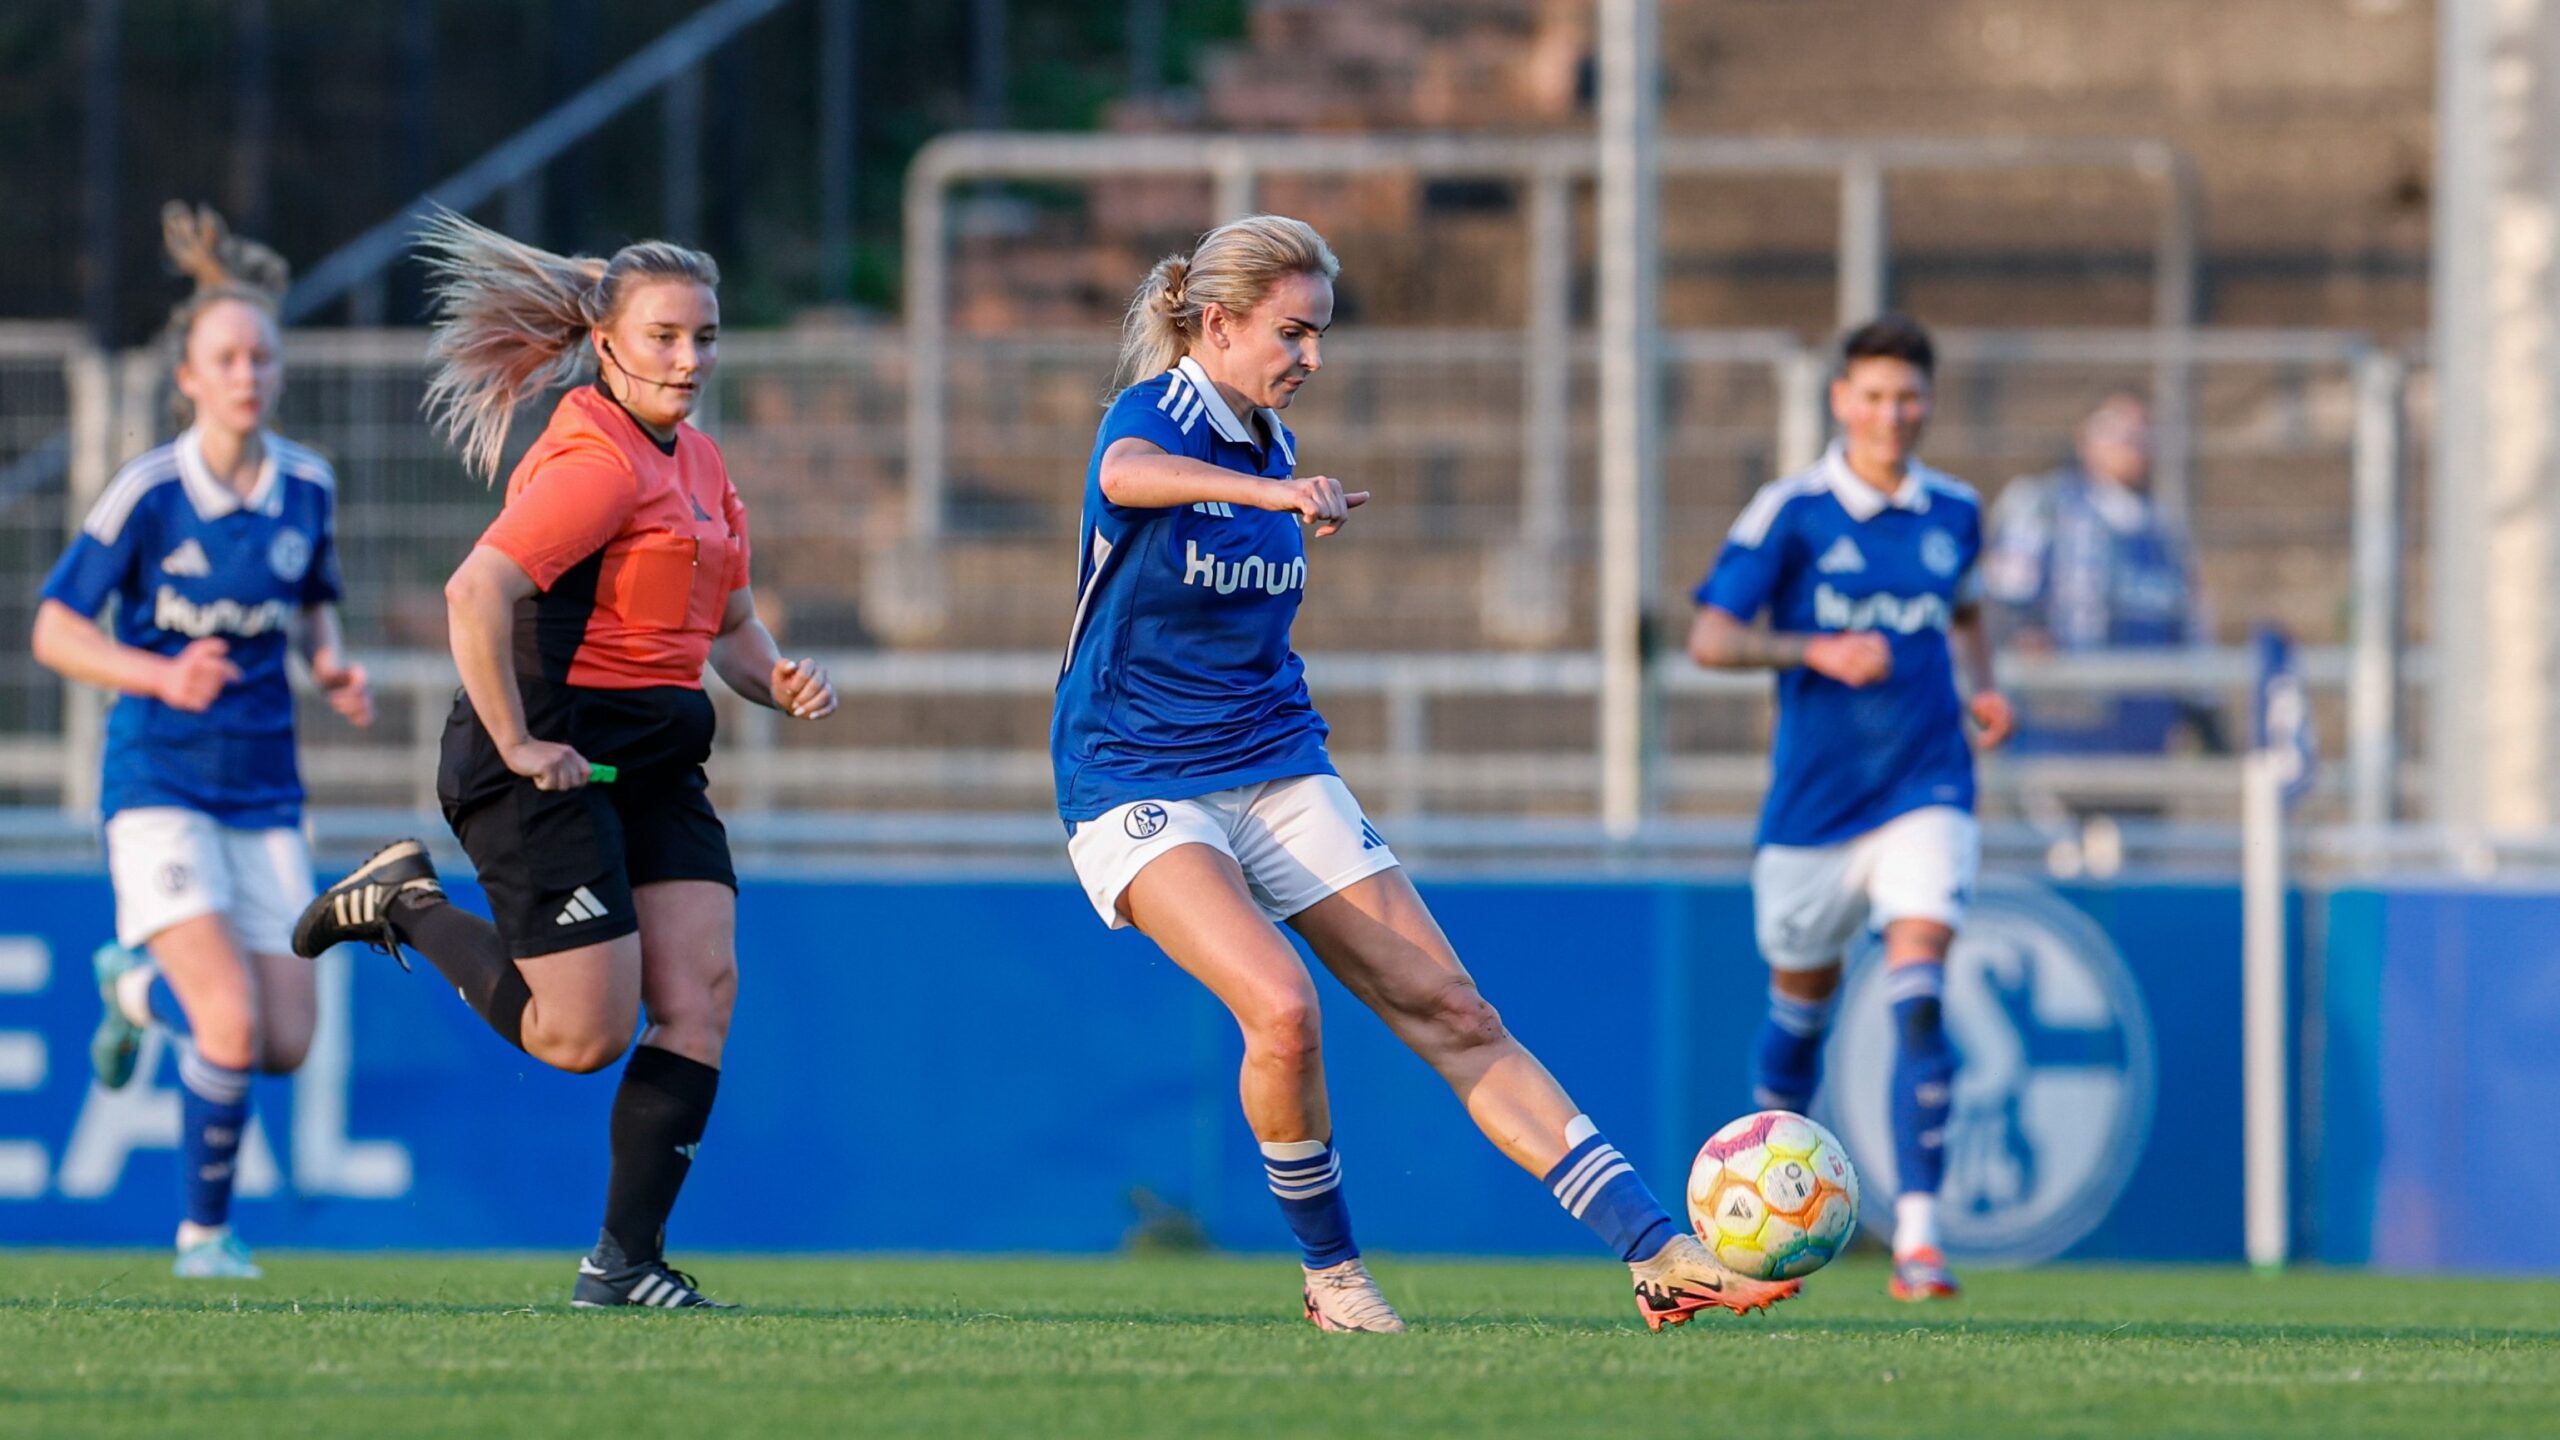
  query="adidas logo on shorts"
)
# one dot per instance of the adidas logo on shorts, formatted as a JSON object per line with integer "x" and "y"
{"x": 583, "y": 905}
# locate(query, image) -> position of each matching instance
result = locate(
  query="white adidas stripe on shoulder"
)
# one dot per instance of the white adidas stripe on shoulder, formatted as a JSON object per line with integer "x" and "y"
{"x": 138, "y": 478}
{"x": 1752, "y": 525}
{"x": 303, "y": 462}
{"x": 1948, "y": 485}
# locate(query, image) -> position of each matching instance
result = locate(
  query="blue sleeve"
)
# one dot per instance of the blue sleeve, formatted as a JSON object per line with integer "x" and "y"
{"x": 92, "y": 569}
{"x": 320, "y": 583}
{"x": 1747, "y": 571}
{"x": 1141, "y": 413}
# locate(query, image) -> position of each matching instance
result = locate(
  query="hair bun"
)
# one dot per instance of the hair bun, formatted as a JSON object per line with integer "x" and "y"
{"x": 1177, "y": 273}
{"x": 203, "y": 249}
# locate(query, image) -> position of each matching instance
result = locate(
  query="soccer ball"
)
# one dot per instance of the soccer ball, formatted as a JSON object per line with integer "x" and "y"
{"x": 1773, "y": 1196}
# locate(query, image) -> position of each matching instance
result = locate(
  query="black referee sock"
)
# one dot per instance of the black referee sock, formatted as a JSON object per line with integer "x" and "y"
{"x": 466, "y": 950}
{"x": 658, "y": 1119}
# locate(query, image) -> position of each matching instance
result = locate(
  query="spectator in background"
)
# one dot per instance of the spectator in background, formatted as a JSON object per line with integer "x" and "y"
{"x": 2081, "y": 559}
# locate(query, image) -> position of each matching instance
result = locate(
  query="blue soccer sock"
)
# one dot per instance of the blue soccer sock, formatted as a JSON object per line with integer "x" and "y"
{"x": 213, "y": 1110}
{"x": 1306, "y": 1178}
{"x": 1924, "y": 1068}
{"x": 145, "y": 998}
{"x": 1787, "y": 1062}
{"x": 161, "y": 1003}
{"x": 1596, "y": 1185}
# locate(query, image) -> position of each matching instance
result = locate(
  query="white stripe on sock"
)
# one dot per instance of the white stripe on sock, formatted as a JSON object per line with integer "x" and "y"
{"x": 1582, "y": 1168}
{"x": 1600, "y": 1183}
{"x": 1579, "y": 1192}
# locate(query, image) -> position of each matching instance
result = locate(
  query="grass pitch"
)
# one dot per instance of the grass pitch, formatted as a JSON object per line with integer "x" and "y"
{"x": 105, "y": 1344}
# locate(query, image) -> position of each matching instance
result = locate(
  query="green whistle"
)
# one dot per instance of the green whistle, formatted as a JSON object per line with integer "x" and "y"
{"x": 601, "y": 774}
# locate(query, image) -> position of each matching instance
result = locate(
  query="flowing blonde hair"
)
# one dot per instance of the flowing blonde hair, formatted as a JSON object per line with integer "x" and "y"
{"x": 510, "y": 319}
{"x": 1234, "y": 266}
{"x": 223, "y": 266}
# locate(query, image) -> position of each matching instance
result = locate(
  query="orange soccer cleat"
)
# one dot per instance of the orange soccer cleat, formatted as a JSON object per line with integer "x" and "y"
{"x": 1684, "y": 1279}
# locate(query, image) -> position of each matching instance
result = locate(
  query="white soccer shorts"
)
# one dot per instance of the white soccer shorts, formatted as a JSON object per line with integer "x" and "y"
{"x": 1297, "y": 841}
{"x": 1810, "y": 901}
{"x": 171, "y": 864}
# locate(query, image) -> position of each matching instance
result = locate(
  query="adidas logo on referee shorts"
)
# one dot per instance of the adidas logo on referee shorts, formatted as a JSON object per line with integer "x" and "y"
{"x": 583, "y": 905}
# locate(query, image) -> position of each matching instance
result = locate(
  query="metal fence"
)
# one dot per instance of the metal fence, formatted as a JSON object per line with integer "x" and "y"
{"x": 1451, "y": 631}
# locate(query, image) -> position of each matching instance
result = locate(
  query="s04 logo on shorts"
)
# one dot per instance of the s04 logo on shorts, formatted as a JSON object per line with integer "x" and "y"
{"x": 1144, "y": 820}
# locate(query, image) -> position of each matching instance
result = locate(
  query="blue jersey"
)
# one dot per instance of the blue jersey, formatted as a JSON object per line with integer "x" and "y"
{"x": 1179, "y": 679}
{"x": 1824, "y": 552}
{"x": 185, "y": 557}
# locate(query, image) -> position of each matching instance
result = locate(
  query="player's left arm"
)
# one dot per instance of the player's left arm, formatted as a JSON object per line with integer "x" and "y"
{"x": 1970, "y": 642}
{"x": 323, "y": 647}
{"x": 748, "y": 661}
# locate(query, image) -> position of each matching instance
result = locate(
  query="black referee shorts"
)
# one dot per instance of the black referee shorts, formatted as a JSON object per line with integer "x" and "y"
{"x": 559, "y": 866}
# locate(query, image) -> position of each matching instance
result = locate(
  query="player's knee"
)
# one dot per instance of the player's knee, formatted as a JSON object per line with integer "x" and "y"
{"x": 1467, "y": 1019}
{"x": 584, "y": 1054}
{"x": 224, "y": 1033}
{"x": 1287, "y": 1032}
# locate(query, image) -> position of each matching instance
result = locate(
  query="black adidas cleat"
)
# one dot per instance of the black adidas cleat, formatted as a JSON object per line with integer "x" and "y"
{"x": 649, "y": 1283}
{"x": 355, "y": 909}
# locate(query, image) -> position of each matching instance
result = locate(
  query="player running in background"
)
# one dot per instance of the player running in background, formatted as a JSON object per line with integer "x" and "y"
{"x": 219, "y": 551}
{"x": 580, "y": 625}
{"x": 1201, "y": 805}
{"x": 1865, "y": 565}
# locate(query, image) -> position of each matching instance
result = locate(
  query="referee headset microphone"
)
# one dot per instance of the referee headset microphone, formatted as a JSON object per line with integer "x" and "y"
{"x": 660, "y": 381}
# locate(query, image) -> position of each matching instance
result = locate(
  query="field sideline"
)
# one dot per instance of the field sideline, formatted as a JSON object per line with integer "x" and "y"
{"x": 105, "y": 1344}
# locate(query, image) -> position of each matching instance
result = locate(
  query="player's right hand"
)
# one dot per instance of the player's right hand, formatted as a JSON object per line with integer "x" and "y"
{"x": 1855, "y": 658}
{"x": 548, "y": 765}
{"x": 1319, "y": 500}
{"x": 195, "y": 675}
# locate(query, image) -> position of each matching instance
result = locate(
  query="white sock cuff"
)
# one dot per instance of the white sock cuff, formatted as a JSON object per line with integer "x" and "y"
{"x": 1578, "y": 1129}
{"x": 133, "y": 993}
{"x": 1294, "y": 1149}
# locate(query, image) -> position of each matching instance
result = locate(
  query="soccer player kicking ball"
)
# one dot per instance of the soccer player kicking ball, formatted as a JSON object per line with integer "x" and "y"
{"x": 1201, "y": 806}
{"x": 1865, "y": 564}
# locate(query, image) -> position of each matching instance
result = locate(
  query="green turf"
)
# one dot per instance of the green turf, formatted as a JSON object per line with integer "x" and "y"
{"x": 98, "y": 1343}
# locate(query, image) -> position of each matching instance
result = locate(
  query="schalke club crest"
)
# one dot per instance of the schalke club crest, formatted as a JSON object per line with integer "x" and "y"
{"x": 2053, "y": 1098}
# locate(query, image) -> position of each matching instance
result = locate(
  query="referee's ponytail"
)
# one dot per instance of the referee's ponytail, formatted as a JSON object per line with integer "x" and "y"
{"x": 1233, "y": 266}
{"x": 510, "y": 320}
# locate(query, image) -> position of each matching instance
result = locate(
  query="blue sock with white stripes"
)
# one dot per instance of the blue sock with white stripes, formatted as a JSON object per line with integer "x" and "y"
{"x": 1597, "y": 1186}
{"x": 1924, "y": 1069}
{"x": 1306, "y": 1178}
{"x": 1787, "y": 1062}
{"x": 213, "y": 1110}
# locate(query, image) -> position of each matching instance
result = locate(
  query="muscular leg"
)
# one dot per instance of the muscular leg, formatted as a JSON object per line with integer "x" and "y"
{"x": 218, "y": 987}
{"x": 689, "y": 984}
{"x": 1380, "y": 941}
{"x": 204, "y": 965}
{"x": 1192, "y": 902}
{"x": 1923, "y": 1075}
{"x": 584, "y": 1004}
{"x": 1377, "y": 937}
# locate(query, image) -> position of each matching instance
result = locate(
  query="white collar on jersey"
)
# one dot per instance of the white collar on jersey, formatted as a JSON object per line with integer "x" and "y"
{"x": 1222, "y": 419}
{"x": 211, "y": 497}
{"x": 1865, "y": 502}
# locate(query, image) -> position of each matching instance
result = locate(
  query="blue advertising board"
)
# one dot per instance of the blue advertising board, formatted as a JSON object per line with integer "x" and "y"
{"x": 977, "y": 1065}
{"x": 2440, "y": 1004}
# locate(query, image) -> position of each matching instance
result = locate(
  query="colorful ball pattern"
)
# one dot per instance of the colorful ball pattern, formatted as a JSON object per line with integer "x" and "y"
{"x": 1774, "y": 1196}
